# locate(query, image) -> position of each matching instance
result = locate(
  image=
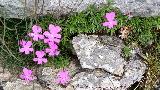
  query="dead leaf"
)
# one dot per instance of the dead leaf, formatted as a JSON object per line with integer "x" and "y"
{"x": 124, "y": 32}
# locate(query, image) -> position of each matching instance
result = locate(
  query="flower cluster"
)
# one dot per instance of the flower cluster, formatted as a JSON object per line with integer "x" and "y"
{"x": 52, "y": 35}
{"x": 51, "y": 38}
{"x": 111, "y": 20}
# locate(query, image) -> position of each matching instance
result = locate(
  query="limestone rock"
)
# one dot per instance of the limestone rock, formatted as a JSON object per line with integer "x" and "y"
{"x": 5, "y": 75}
{"x": 21, "y": 9}
{"x": 90, "y": 81}
{"x": 104, "y": 53}
{"x": 139, "y": 7}
{"x": 21, "y": 85}
{"x": 94, "y": 52}
{"x": 134, "y": 71}
{"x": 48, "y": 75}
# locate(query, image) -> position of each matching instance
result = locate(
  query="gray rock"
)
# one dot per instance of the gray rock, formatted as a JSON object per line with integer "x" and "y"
{"x": 5, "y": 75}
{"x": 21, "y": 85}
{"x": 21, "y": 9}
{"x": 47, "y": 79}
{"x": 134, "y": 71}
{"x": 88, "y": 49}
{"x": 139, "y": 7}
{"x": 90, "y": 81}
{"x": 47, "y": 76}
{"x": 104, "y": 52}
{"x": 85, "y": 81}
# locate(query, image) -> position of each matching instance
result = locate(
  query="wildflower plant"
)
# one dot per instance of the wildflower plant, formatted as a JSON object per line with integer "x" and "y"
{"x": 51, "y": 38}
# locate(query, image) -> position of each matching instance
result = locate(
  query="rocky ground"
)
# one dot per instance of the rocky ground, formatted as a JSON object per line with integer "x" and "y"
{"x": 101, "y": 67}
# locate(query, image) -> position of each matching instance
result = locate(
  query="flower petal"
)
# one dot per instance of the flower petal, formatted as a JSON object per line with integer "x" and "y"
{"x": 21, "y": 50}
{"x": 46, "y": 33}
{"x": 36, "y": 29}
{"x": 28, "y": 44}
{"x": 106, "y": 24}
{"x": 54, "y": 29}
{"x": 35, "y": 59}
{"x": 40, "y": 54}
{"x": 45, "y": 60}
{"x": 110, "y": 16}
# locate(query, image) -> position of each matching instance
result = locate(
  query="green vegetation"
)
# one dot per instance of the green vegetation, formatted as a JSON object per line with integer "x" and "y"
{"x": 126, "y": 51}
{"x": 144, "y": 30}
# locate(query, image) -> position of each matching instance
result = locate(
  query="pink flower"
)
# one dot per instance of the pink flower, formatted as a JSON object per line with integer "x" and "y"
{"x": 53, "y": 49}
{"x": 21, "y": 42}
{"x": 26, "y": 46}
{"x": 110, "y": 16}
{"x": 111, "y": 20}
{"x": 110, "y": 24}
{"x": 40, "y": 59}
{"x": 36, "y": 30}
{"x": 63, "y": 77}
{"x": 52, "y": 35}
{"x": 27, "y": 75}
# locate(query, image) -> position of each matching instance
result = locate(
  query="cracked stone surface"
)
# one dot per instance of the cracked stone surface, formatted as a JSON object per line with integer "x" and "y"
{"x": 21, "y": 9}
{"x": 119, "y": 74}
{"x": 142, "y": 8}
{"x": 47, "y": 76}
{"x": 21, "y": 85}
{"x": 90, "y": 81}
{"x": 94, "y": 52}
